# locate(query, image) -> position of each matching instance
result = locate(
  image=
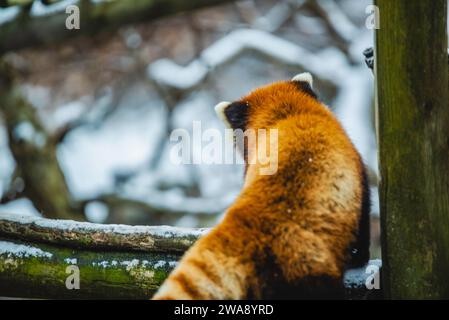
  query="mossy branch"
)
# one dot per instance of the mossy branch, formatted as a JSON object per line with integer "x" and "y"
{"x": 40, "y": 271}
{"x": 114, "y": 261}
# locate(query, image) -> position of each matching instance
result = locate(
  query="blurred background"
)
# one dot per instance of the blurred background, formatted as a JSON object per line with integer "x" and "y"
{"x": 86, "y": 115}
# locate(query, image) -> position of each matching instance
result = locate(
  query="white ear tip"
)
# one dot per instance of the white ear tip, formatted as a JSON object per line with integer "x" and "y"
{"x": 219, "y": 110}
{"x": 220, "y": 107}
{"x": 305, "y": 76}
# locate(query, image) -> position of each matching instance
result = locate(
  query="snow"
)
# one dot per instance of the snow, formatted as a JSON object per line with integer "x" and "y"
{"x": 96, "y": 212}
{"x": 353, "y": 108}
{"x": 218, "y": 184}
{"x": 39, "y": 9}
{"x": 8, "y": 14}
{"x": 21, "y": 207}
{"x": 225, "y": 49}
{"x": 167, "y": 72}
{"x": 7, "y": 163}
{"x": 358, "y": 276}
{"x": 136, "y": 263}
{"x": 160, "y": 264}
{"x": 132, "y": 264}
{"x": 353, "y": 104}
{"x": 375, "y": 205}
{"x": 69, "y": 225}
{"x": 104, "y": 264}
{"x": 71, "y": 261}
{"x": 92, "y": 156}
{"x": 215, "y": 180}
{"x": 38, "y": 96}
{"x": 67, "y": 113}
{"x": 11, "y": 249}
{"x": 25, "y": 131}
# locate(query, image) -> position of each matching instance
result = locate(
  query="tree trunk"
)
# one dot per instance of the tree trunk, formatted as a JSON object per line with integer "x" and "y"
{"x": 413, "y": 135}
{"x": 34, "y": 152}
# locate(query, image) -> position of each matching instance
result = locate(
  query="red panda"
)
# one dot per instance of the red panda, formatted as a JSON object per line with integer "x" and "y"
{"x": 293, "y": 233}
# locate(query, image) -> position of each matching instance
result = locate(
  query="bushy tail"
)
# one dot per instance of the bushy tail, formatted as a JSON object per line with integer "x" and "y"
{"x": 205, "y": 274}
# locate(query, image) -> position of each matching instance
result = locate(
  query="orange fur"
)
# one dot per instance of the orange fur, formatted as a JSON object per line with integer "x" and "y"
{"x": 289, "y": 232}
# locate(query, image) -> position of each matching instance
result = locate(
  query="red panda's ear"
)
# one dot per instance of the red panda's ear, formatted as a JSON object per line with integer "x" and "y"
{"x": 304, "y": 82}
{"x": 234, "y": 115}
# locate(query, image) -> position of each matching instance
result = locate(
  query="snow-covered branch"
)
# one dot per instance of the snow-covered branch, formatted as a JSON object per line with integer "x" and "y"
{"x": 95, "y": 236}
{"x": 168, "y": 73}
{"x": 44, "y": 24}
{"x": 114, "y": 261}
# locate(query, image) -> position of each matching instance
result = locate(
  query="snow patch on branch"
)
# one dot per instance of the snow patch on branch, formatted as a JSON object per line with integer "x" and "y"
{"x": 357, "y": 277}
{"x": 169, "y": 73}
{"x": 71, "y": 261}
{"x": 7, "y": 163}
{"x": 87, "y": 227}
{"x": 133, "y": 264}
{"x": 9, "y": 14}
{"x": 22, "y": 251}
{"x": 39, "y": 9}
{"x": 21, "y": 206}
{"x": 25, "y": 131}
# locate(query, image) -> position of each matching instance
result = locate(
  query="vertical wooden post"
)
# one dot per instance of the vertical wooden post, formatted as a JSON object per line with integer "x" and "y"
{"x": 413, "y": 135}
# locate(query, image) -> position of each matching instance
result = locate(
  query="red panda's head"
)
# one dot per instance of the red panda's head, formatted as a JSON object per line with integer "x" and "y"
{"x": 265, "y": 108}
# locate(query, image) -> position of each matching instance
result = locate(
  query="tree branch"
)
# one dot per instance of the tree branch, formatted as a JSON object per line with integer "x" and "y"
{"x": 39, "y": 271}
{"x": 34, "y": 152}
{"x": 114, "y": 261}
{"x": 27, "y": 31}
{"x": 98, "y": 236}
